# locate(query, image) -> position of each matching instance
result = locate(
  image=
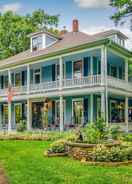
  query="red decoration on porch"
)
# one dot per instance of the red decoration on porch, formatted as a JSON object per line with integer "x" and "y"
{"x": 10, "y": 93}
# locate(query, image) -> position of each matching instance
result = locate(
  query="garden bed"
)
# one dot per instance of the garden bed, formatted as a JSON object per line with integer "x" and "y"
{"x": 56, "y": 154}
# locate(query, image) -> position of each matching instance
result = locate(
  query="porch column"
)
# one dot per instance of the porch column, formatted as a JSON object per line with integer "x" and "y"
{"x": 126, "y": 113}
{"x": 104, "y": 81}
{"x": 61, "y": 73}
{"x": 61, "y": 114}
{"x": 103, "y": 64}
{"x": 28, "y": 78}
{"x": 91, "y": 108}
{"x": 126, "y": 70}
{"x": 9, "y": 105}
{"x": 103, "y": 106}
{"x": 29, "y": 114}
{"x": 91, "y": 65}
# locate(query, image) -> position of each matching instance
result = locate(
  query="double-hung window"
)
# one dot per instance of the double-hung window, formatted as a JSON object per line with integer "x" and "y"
{"x": 37, "y": 76}
{"x": 37, "y": 43}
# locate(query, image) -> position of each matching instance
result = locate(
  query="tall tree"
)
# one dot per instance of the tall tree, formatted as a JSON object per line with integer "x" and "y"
{"x": 15, "y": 28}
{"x": 123, "y": 13}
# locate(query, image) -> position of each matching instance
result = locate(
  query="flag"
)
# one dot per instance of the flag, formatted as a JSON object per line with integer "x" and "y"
{"x": 10, "y": 93}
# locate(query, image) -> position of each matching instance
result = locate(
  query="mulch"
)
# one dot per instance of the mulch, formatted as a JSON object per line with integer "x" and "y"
{"x": 3, "y": 179}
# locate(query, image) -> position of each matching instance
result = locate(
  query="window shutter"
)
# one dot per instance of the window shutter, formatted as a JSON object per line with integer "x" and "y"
{"x": 53, "y": 72}
{"x": 86, "y": 66}
{"x": 69, "y": 70}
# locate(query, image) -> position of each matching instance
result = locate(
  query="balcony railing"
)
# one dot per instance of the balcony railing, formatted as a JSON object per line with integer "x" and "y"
{"x": 118, "y": 83}
{"x": 44, "y": 86}
{"x": 90, "y": 81}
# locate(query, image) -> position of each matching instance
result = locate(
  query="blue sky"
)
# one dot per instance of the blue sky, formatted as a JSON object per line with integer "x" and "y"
{"x": 93, "y": 15}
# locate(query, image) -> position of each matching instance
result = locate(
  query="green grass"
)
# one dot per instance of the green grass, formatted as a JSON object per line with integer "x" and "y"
{"x": 24, "y": 163}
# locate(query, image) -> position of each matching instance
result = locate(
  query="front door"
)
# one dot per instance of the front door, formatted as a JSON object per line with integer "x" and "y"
{"x": 78, "y": 111}
{"x": 37, "y": 115}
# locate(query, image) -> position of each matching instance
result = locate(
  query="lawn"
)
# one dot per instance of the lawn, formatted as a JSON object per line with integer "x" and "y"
{"x": 24, "y": 163}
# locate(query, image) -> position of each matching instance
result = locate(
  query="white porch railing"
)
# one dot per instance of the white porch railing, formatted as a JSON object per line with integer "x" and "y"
{"x": 119, "y": 83}
{"x": 19, "y": 90}
{"x": 92, "y": 80}
{"x": 3, "y": 92}
{"x": 44, "y": 86}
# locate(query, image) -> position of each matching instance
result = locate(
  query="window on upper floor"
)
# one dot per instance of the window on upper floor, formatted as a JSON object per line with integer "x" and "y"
{"x": 37, "y": 43}
{"x": 3, "y": 81}
{"x": 18, "y": 80}
{"x": 77, "y": 69}
{"x": 36, "y": 76}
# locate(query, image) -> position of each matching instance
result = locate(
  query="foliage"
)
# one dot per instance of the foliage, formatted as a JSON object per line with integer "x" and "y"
{"x": 115, "y": 154}
{"x": 100, "y": 125}
{"x": 95, "y": 132}
{"x": 21, "y": 126}
{"x": 127, "y": 137}
{"x": 115, "y": 132}
{"x": 15, "y": 28}
{"x": 58, "y": 147}
{"x": 91, "y": 134}
{"x": 129, "y": 153}
{"x": 37, "y": 135}
{"x": 123, "y": 11}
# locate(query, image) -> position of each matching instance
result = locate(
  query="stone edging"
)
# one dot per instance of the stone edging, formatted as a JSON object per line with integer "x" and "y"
{"x": 108, "y": 164}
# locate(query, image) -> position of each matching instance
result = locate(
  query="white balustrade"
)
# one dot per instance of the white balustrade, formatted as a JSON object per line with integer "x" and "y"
{"x": 90, "y": 81}
{"x": 119, "y": 83}
{"x": 44, "y": 87}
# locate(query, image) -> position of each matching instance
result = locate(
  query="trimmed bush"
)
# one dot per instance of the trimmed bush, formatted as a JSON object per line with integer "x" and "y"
{"x": 21, "y": 127}
{"x": 114, "y": 154}
{"x": 58, "y": 147}
{"x": 115, "y": 132}
{"x": 91, "y": 134}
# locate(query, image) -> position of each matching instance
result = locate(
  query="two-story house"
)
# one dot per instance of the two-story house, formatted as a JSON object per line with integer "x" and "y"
{"x": 84, "y": 77}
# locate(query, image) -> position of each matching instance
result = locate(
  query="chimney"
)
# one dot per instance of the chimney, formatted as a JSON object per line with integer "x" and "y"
{"x": 75, "y": 25}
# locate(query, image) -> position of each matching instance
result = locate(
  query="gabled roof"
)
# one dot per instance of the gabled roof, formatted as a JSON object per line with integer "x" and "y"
{"x": 109, "y": 33}
{"x": 45, "y": 32}
{"x": 68, "y": 41}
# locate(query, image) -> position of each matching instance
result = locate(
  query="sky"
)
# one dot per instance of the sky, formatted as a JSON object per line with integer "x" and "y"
{"x": 93, "y": 15}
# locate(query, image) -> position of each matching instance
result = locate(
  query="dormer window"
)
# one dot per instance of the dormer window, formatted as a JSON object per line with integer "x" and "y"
{"x": 42, "y": 39}
{"x": 37, "y": 43}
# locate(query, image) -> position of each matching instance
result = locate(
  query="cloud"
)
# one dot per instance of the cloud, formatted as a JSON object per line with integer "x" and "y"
{"x": 96, "y": 29}
{"x": 15, "y": 7}
{"x": 93, "y": 3}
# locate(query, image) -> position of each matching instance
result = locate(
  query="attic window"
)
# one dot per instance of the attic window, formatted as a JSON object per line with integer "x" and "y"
{"x": 37, "y": 43}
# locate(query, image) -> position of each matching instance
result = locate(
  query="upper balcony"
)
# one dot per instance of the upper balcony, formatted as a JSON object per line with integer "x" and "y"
{"x": 85, "y": 70}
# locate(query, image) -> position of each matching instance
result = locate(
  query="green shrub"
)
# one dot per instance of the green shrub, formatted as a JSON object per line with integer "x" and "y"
{"x": 100, "y": 154}
{"x": 91, "y": 134}
{"x": 127, "y": 137}
{"x": 21, "y": 126}
{"x": 129, "y": 153}
{"x": 58, "y": 147}
{"x": 115, "y": 132}
{"x": 115, "y": 154}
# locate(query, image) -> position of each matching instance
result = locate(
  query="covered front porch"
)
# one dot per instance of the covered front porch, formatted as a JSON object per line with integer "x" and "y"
{"x": 66, "y": 112}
